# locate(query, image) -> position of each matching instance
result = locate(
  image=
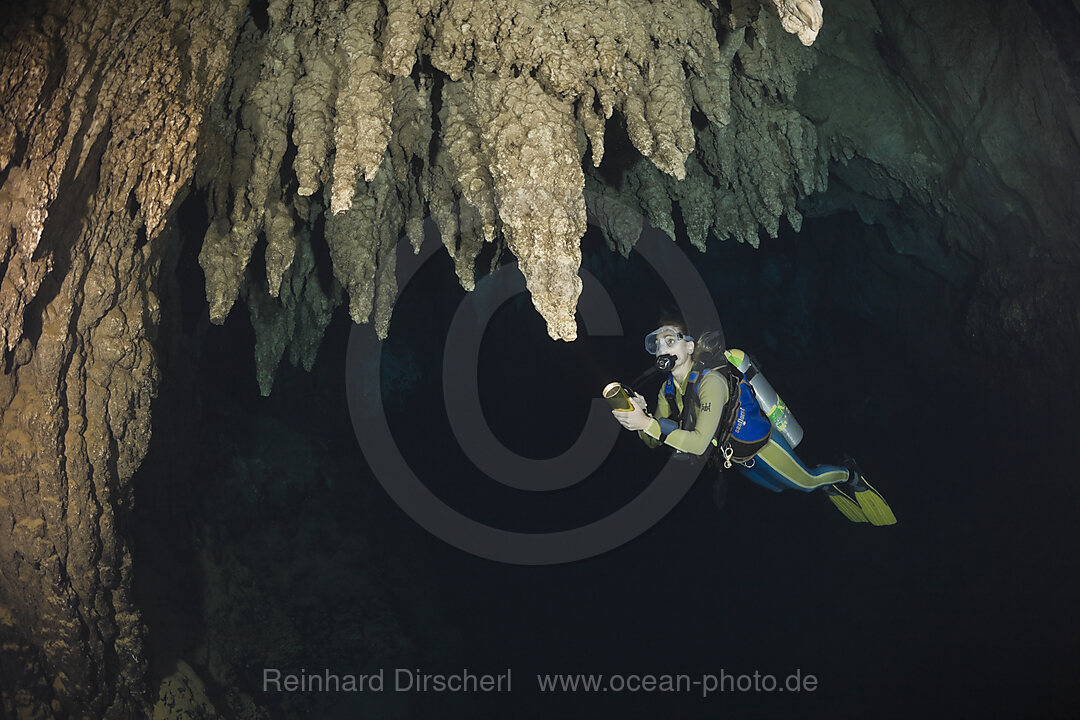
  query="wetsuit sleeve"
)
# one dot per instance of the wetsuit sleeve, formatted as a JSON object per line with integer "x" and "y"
{"x": 651, "y": 434}
{"x": 712, "y": 392}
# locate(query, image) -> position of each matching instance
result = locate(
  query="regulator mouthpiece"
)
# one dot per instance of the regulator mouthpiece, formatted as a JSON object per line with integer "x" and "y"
{"x": 665, "y": 363}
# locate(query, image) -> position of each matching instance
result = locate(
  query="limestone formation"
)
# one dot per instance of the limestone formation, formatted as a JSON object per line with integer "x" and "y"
{"x": 523, "y": 91}
{"x": 294, "y": 317}
{"x": 364, "y": 105}
{"x": 102, "y": 104}
{"x": 801, "y": 18}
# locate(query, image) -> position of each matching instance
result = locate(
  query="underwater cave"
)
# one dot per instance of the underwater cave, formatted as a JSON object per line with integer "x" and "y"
{"x": 307, "y": 308}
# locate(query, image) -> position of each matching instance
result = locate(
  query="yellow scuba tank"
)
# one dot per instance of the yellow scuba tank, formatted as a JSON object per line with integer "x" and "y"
{"x": 771, "y": 403}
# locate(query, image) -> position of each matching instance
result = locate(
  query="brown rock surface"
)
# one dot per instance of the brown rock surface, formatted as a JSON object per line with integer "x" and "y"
{"x": 102, "y": 106}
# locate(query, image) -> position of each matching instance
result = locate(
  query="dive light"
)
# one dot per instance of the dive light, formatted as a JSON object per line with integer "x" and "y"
{"x": 616, "y": 394}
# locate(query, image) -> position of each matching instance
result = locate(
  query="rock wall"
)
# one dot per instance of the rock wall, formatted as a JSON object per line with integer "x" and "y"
{"x": 102, "y": 105}
{"x": 954, "y": 126}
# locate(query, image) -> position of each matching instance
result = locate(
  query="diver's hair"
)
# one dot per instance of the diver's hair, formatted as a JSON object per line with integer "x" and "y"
{"x": 674, "y": 320}
{"x": 671, "y": 322}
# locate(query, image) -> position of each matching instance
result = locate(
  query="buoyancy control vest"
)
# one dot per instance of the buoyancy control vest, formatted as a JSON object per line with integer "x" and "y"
{"x": 743, "y": 428}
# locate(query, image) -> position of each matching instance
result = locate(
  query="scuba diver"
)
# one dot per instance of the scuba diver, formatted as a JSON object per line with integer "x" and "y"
{"x": 715, "y": 400}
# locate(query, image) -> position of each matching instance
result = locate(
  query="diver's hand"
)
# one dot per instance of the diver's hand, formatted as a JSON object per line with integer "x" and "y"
{"x": 635, "y": 419}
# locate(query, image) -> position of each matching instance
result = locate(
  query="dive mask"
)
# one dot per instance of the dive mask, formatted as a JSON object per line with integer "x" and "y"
{"x": 663, "y": 339}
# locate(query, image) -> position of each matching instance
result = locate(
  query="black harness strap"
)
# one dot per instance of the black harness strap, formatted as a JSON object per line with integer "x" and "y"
{"x": 732, "y": 448}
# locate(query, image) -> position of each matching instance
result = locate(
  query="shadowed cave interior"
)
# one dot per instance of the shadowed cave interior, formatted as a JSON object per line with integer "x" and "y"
{"x": 268, "y": 543}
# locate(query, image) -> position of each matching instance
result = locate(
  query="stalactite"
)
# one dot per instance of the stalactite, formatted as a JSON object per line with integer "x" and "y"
{"x": 568, "y": 67}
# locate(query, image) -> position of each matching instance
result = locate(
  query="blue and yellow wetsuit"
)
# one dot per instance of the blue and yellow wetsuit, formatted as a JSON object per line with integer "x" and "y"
{"x": 775, "y": 467}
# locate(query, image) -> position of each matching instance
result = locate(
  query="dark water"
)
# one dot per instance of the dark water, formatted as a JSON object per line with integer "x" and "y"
{"x": 966, "y": 606}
